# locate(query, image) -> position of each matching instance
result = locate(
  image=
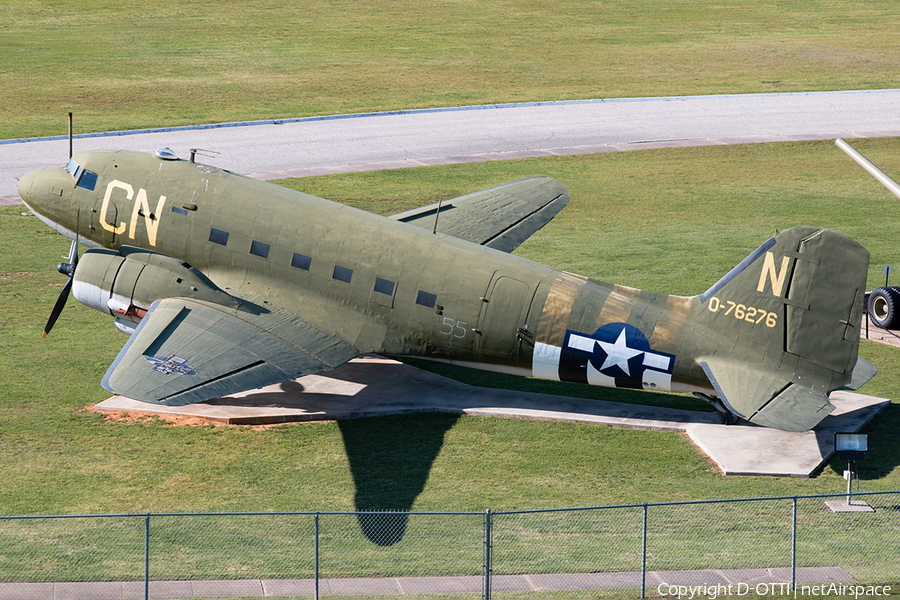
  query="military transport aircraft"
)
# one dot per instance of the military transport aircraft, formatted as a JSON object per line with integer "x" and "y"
{"x": 227, "y": 283}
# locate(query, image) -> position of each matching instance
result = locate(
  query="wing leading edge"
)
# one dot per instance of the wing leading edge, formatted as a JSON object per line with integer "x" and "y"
{"x": 187, "y": 351}
{"x": 501, "y": 217}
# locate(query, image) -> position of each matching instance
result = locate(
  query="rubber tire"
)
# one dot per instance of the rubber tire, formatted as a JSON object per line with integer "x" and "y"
{"x": 884, "y": 307}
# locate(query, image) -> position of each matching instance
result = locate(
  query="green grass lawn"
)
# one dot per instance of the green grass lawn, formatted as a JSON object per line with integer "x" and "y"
{"x": 134, "y": 64}
{"x": 665, "y": 220}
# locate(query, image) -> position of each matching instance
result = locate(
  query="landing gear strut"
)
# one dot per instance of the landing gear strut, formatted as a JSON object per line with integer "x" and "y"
{"x": 726, "y": 417}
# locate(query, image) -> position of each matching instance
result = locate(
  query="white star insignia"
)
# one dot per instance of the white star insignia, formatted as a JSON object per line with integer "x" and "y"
{"x": 618, "y": 354}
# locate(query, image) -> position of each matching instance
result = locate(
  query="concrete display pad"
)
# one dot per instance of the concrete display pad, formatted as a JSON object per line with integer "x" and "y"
{"x": 852, "y": 506}
{"x": 746, "y": 449}
{"x": 375, "y": 386}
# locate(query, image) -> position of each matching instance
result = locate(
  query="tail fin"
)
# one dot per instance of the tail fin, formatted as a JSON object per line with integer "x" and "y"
{"x": 788, "y": 317}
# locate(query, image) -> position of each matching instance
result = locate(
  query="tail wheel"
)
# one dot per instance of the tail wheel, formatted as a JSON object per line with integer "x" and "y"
{"x": 884, "y": 307}
{"x": 728, "y": 418}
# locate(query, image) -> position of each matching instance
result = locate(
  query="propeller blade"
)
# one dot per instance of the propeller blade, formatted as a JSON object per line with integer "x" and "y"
{"x": 69, "y": 270}
{"x": 73, "y": 254}
{"x": 57, "y": 308}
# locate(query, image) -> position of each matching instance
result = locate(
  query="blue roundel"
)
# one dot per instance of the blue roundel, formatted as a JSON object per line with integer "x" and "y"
{"x": 620, "y": 350}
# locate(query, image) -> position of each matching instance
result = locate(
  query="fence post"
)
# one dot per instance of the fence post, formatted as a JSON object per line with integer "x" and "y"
{"x": 487, "y": 555}
{"x": 794, "y": 546}
{"x": 644, "y": 553}
{"x": 147, "y": 557}
{"x": 316, "y": 521}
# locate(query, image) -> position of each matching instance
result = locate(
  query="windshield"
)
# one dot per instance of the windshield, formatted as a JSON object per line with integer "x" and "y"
{"x": 83, "y": 178}
{"x": 74, "y": 169}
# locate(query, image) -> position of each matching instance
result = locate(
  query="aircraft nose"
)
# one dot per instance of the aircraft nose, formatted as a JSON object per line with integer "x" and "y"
{"x": 42, "y": 190}
{"x": 25, "y": 185}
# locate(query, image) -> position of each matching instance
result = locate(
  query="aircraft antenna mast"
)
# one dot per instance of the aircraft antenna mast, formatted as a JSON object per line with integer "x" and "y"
{"x": 436, "y": 215}
{"x": 70, "y": 136}
{"x": 202, "y": 152}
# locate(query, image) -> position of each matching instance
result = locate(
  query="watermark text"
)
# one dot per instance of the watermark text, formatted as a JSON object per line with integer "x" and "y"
{"x": 721, "y": 590}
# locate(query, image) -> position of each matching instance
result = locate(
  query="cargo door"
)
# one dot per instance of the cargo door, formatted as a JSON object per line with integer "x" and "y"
{"x": 503, "y": 314}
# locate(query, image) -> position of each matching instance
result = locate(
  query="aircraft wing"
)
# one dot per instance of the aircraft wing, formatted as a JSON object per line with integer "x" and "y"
{"x": 187, "y": 351}
{"x": 766, "y": 398}
{"x": 501, "y": 217}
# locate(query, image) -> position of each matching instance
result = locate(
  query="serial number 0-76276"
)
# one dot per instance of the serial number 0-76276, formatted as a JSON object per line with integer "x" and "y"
{"x": 750, "y": 314}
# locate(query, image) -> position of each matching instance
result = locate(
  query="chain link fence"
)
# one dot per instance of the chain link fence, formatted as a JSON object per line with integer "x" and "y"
{"x": 616, "y": 551}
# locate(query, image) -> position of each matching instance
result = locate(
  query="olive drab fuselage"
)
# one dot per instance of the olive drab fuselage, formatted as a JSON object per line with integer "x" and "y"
{"x": 489, "y": 309}
{"x": 379, "y": 285}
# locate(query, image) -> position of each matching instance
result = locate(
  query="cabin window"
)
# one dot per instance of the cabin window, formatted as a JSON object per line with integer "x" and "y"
{"x": 88, "y": 180}
{"x": 384, "y": 286}
{"x": 342, "y": 273}
{"x": 217, "y": 236}
{"x": 426, "y": 299}
{"x": 180, "y": 211}
{"x": 301, "y": 261}
{"x": 259, "y": 249}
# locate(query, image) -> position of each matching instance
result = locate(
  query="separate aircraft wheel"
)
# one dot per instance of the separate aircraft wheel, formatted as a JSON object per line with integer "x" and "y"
{"x": 884, "y": 307}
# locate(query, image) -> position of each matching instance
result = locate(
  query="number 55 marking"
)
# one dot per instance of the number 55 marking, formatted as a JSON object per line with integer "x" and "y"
{"x": 454, "y": 328}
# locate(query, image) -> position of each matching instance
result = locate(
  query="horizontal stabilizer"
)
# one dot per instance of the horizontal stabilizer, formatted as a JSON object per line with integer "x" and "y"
{"x": 501, "y": 217}
{"x": 766, "y": 398}
{"x": 187, "y": 351}
{"x": 798, "y": 408}
{"x": 862, "y": 373}
{"x": 742, "y": 388}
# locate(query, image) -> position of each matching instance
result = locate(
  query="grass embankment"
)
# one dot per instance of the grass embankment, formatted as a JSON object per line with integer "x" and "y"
{"x": 135, "y": 64}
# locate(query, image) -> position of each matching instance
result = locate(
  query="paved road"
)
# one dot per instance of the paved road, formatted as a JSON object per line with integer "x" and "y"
{"x": 388, "y": 140}
{"x": 741, "y": 582}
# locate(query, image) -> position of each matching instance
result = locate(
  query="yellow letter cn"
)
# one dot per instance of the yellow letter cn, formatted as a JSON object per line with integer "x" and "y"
{"x": 129, "y": 194}
{"x": 141, "y": 204}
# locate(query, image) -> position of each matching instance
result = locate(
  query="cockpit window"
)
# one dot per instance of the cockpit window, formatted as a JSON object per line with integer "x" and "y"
{"x": 74, "y": 169}
{"x": 83, "y": 178}
{"x": 87, "y": 180}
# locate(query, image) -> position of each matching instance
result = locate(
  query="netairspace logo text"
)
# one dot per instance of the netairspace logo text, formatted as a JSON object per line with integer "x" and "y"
{"x": 834, "y": 590}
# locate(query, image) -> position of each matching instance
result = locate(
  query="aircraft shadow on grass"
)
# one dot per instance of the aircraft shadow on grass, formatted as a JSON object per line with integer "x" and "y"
{"x": 883, "y": 456}
{"x": 391, "y": 452}
{"x": 390, "y": 459}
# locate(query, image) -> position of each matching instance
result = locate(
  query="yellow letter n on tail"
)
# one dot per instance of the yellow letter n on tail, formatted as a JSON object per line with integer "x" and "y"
{"x": 777, "y": 278}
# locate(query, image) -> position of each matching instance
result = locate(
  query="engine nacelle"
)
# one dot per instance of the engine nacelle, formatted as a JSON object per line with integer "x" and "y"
{"x": 124, "y": 284}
